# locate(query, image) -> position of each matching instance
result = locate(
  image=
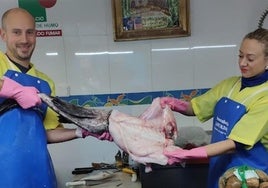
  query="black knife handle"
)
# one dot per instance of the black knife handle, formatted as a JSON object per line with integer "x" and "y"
{"x": 82, "y": 171}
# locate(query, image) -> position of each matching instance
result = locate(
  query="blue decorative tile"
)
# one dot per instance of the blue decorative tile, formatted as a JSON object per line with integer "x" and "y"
{"x": 108, "y": 100}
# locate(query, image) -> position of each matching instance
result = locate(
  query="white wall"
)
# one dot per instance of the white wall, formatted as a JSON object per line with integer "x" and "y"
{"x": 87, "y": 27}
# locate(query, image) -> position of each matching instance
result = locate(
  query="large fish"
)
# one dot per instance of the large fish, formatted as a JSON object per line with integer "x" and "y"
{"x": 144, "y": 138}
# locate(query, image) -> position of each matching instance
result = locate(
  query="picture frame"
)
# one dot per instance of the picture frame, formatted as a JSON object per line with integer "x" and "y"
{"x": 150, "y": 19}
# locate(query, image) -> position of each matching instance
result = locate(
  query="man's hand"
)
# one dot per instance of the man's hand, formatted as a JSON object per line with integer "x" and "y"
{"x": 26, "y": 97}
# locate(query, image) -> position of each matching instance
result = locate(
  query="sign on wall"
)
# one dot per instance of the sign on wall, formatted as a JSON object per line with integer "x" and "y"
{"x": 45, "y": 28}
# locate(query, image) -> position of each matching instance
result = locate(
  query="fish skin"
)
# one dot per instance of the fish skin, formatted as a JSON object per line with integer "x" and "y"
{"x": 93, "y": 120}
{"x": 7, "y": 105}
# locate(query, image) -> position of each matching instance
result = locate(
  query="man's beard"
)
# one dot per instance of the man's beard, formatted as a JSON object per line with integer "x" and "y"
{"x": 24, "y": 56}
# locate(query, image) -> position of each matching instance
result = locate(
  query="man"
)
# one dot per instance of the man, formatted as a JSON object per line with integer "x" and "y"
{"x": 25, "y": 131}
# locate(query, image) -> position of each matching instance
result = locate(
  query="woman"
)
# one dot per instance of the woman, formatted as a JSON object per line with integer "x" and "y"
{"x": 239, "y": 107}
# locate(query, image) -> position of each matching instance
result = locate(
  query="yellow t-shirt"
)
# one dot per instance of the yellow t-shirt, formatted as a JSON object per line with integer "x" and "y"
{"x": 51, "y": 119}
{"x": 253, "y": 126}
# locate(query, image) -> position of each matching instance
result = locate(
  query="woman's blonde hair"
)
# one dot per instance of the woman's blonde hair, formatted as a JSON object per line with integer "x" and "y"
{"x": 260, "y": 35}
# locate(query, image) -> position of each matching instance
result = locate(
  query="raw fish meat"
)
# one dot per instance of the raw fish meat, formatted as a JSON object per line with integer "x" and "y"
{"x": 144, "y": 138}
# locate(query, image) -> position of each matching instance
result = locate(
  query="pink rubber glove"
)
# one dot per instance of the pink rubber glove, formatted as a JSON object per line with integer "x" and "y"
{"x": 177, "y": 105}
{"x": 82, "y": 133}
{"x": 26, "y": 97}
{"x": 180, "y": 155}
{"x": 106, "y": 136}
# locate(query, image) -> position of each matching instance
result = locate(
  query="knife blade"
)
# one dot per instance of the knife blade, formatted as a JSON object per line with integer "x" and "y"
{"x": 89, "y": 182}
{"x": 84, "y": 182}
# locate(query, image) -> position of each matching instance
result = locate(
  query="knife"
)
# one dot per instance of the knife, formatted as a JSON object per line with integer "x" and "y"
{"x": 83, "y": 182}
{"x": 95, "y": 166}
{"x": 84, "y": 170}
{"x": 89, "y": 182}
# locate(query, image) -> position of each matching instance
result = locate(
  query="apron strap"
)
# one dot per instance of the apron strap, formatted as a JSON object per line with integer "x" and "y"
{"x": 231, "y": 91}
{"x": 251, "y": 96}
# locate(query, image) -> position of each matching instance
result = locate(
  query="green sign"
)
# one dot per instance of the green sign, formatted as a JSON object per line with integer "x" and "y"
{"x": 34, "y": 7}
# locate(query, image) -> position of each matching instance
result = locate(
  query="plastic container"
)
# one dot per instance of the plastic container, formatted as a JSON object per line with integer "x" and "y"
{"x": 193, "y": 175}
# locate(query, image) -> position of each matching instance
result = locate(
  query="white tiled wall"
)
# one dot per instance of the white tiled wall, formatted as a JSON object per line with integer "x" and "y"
{"x": 87, "y": 27}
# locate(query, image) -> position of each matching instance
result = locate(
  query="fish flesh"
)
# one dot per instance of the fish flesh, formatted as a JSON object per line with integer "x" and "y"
{"x": 160, "y": 119}
{"x": 145, "y": 137}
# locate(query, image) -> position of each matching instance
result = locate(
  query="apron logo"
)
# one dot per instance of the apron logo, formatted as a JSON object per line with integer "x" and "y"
{"x": 221, "y": 125}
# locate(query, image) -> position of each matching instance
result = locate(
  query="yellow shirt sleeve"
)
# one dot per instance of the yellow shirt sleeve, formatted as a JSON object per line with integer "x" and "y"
{"x": 203, "y": 106}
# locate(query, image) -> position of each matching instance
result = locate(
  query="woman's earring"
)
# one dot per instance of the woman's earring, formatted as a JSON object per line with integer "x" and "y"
{"x": 266, "y": 67}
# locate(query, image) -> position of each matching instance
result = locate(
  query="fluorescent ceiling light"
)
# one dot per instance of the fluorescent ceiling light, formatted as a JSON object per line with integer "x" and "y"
{"x": 216, "y": 46}
{"x": 169, "y": 49}
{"x": 52, "y": 53}
{"x": 103, "y": 53}
{"x": 194, "y": 48}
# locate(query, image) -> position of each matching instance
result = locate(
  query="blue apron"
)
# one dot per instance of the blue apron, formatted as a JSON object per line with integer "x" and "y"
{"x": 226, "y": 114}
{"x": 25, "y": 160}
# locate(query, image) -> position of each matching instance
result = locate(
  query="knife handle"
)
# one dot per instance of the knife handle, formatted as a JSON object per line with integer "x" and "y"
{"x": 81, "y": 171}
{"x": 84, "y": 168}
{"x": 75, "y": 183}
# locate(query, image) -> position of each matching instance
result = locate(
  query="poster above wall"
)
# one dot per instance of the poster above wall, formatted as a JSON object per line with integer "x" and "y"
{"x": 149, "y": 19}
